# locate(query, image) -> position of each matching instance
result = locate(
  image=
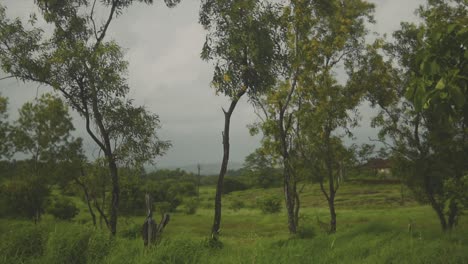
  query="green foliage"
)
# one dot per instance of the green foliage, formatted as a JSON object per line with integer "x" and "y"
{"x": 244, "y": 50}
{"x": 24, "y": 198}
{"x": 62, "y": 208}
{"x": 306, "y": 232}
{"x": 68, "y": 245}
{"x": 232, "y": 184}
{"x": 259, "y": 170}
{"x": 6, "y": 146}
{"x": 440, "y": 58}
{"x": 99, "y": 246}
{"x": 20, "y": 244}
{"x": 165, "y": 207}
{"x": 191, "y": 206}
{"x": 424, "y": 113}
{"x": 269, "y": 204}
{"x": 236, "y": 205}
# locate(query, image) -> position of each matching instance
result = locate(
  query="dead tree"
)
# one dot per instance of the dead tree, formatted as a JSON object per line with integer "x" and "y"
{"x": 151, "y": 232}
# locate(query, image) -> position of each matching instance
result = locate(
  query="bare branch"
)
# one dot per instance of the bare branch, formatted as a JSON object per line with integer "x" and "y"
{"x": 103, "y": 30}
{"x": 91, "y": 16}
{"x": 7, "y": 77}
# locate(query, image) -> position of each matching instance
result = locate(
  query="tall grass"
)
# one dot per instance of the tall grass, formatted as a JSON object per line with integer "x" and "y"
{"x": 367, "y": 233}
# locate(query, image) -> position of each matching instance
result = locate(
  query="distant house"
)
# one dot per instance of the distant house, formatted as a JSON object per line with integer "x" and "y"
{"x": 380, "y": 167}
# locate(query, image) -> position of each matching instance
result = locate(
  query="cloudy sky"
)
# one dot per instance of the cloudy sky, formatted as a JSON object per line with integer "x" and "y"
{"x": 167, "y": 75}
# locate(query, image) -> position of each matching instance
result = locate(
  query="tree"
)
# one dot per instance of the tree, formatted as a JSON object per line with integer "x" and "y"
{"x": 42, "y": 129}
{"x": 241, "y": 42}
{"x": 90, "y": 74}
{"x": 25, "y": 197}
{"x": 307, "y": 104}
{"x": 423, "y": 116}
{"x": 6, "y": 146}
{"x": 260, "y": 169}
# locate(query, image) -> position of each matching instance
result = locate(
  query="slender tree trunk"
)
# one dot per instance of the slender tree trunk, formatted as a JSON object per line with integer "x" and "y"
{"x": 438, "y": 208}
{"x": 289, "y": 197}
{"x": 224, "y": 164}
{"x": 115, "y": 197}
{"x": 88, "y": 201}
{"x": 453, "y": 213}
{"x": 332, "y": 188}
{"x": 290, "y": 194}
{"x": 331, "y": 200}
{"x": 331, "y": 206}
{"x": 297, "y": 206}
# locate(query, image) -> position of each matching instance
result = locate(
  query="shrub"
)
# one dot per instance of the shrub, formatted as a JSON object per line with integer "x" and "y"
{"x": 68, "y": 244}
{"x": 133, "y": 231}
{"x": 63, "y": 208}
{"x": 163, "y": 207}
{"x": 99, "y": 246}
{"x": 231, "y": 185}
{"x": 21, "y": 243}
{"x": 191, "y": 206}
{"x": 236, "y": 205}
{"x": 269, "y": 205}
{"x": 306, "y": 232}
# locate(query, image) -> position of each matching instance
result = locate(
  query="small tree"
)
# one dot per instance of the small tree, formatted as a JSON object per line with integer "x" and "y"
{"x": 241, "y": 41}
{"x": 423, "y": 111}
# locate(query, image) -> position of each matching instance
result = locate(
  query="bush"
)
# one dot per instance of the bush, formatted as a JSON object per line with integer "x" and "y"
{"x": 99, "y": 246}
{"x": 236, "y": 205}
{"x": 21, "y": 243}
{"x": 163, "y": 207}
{"x": 63, "y": 208}
{"x": 68, "y": 244}
{"x": 269, "y": 205}
{"x": 231, "y": 185}
{"x": 191, "y": 206}
{"x": 306, "y": 232}
{"x": 133, "y": 231}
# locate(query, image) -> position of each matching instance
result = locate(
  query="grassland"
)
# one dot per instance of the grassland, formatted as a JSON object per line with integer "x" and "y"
{"x": 372, "y": 228}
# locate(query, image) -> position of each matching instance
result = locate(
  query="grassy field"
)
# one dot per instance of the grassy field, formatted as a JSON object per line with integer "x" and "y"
{"x": 372, "y": 228}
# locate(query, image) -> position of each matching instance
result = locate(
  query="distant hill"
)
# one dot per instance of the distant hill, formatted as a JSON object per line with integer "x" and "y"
{"x": 206, "y": 168}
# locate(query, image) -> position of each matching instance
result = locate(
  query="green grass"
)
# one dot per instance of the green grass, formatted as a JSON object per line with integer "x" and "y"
{"x": 372, "y": 228}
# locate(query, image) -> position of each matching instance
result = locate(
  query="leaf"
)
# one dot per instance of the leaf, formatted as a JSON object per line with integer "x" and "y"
{"x": 434, "y": 68}
{"x": 457, "y": 95}
{"x": 419, "y": 97}
{"x": 441, "y": 84}
{"x": 451, "y": 28}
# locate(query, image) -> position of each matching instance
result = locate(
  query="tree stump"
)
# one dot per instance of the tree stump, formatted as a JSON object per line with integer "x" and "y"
{"x": 151, "y": 232}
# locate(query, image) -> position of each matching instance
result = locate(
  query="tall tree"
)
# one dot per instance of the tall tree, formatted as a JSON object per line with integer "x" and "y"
{"x": 90, "y": 74}
{"x": 241, "y": 42}
{"x": 308, "y": 104}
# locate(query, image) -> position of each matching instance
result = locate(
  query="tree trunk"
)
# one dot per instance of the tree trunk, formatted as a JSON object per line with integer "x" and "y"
{"x": 224, "y": 164}
{"x": 453, "y": 213}
{"x": 289, "y": 199}
{"x": 115, "y": 197}
{"x": 88, "y": 201}
{"x": 297, "y": 206}
{"x": 331, "y": 206}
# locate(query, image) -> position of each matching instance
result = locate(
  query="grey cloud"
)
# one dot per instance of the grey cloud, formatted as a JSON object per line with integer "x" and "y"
{"x": 167, "y": 75}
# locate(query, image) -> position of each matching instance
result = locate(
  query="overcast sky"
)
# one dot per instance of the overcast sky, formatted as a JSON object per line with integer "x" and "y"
{"x": 167, "y": 75}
